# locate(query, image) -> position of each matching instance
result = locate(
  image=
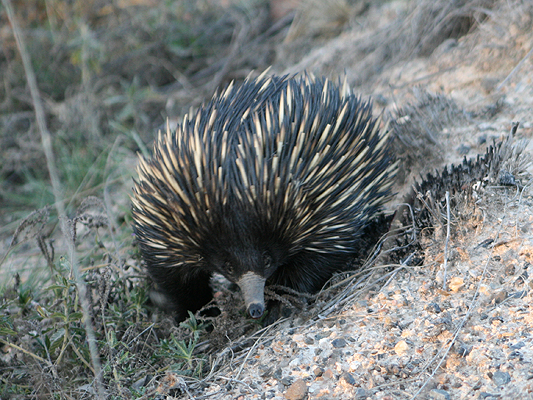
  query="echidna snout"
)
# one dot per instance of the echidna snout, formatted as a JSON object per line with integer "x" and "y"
{"x": 253, "y": 287}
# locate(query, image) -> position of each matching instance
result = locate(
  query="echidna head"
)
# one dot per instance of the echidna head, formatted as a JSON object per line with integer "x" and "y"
{"x": 249, "y": 267}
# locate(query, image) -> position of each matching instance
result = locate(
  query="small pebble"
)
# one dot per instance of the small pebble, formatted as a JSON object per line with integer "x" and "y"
{"x": 338, "y": 343}
{"x": 348, "y": 378}
{"x": 328, "y": 373}
{"x": 401, "y": 347}
{"x": 297, "y": 391}
{"x": 265, "y": 371}
{"x": 445, "y": 320}
{"x": 322, "y": 335}
{"x": 286, "y": 381}
{"x": 433, "y": 308}
{"x": 488, "y": 396}
{"x": 361, "y": 394}
{"x": 456, "y": 283}
{"x": 501, "y": 378}
{"x": 486, "y": 243}
{"x": 439, "y": 394}
{"x": 500, "y": 296}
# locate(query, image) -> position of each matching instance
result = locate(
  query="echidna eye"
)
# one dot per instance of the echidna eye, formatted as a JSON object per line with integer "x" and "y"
{"x": 267, "y": 261}
{"x": 228, "y": 268}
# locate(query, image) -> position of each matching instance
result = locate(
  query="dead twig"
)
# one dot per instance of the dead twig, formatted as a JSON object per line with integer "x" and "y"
{"x": 515, "y": 69}
{"x": 447, "y": 239}
{"x": 46, "y": 139}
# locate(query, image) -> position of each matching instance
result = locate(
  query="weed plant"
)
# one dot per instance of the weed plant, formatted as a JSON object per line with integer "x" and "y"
{"x": 41, "y": 326}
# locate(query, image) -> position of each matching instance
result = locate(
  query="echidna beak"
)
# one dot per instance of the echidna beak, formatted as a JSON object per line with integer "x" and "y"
{"x": 253, "y": 287}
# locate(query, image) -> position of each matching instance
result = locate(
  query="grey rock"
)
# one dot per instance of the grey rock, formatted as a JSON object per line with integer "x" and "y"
{"x": 501, "y": 378}
{"x": 439, "y": 394}
{"x": 338, "y": 343}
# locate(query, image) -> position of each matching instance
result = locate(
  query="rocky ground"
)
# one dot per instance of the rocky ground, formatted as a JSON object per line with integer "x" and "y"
{"x": 409, "y": 336}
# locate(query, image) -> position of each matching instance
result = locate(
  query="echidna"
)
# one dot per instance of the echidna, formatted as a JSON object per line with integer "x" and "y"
{"x": 272, "y": 182}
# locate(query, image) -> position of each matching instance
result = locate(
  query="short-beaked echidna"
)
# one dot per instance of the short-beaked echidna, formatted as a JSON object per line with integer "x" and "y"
{"x": 272, "y": 181}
